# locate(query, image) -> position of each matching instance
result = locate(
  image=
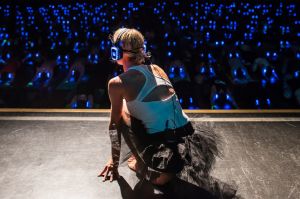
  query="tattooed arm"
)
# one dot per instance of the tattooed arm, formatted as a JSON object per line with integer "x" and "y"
{"x": 115, "y": 91}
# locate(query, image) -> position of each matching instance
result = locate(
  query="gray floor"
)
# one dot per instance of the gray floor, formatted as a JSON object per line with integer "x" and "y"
{"x": 61, "y": 159}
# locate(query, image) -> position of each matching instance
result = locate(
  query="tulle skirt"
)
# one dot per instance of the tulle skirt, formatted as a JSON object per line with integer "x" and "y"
{"x": 190, "y": 157}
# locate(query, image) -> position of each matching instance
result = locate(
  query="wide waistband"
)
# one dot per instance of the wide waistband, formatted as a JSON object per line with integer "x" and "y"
{"x": 172, "y": 134}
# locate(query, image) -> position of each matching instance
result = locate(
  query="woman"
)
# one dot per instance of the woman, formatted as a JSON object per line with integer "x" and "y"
{"x": 146, "y": 111}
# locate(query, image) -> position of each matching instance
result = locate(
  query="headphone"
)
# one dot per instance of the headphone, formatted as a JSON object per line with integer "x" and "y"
{"x": 116, "y": 51}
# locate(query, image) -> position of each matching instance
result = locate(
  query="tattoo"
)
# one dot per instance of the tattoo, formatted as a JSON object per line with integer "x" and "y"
{"x": 115, "y": 138}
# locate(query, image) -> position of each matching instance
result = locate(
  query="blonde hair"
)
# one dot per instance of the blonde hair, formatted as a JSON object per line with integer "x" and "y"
{"x": 132, "y": 40}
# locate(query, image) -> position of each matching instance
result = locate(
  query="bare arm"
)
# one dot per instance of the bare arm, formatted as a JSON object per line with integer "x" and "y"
{"x": 115, "y": 91}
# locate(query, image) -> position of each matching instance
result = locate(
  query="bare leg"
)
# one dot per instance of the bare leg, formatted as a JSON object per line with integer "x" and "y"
{"x": 161, "y": 180}
{"x": 164, "y": 178}
{"x": 126, "y": 118}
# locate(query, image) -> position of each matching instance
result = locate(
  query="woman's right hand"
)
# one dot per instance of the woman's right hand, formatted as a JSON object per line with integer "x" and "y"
{"x": 110, "y": 172}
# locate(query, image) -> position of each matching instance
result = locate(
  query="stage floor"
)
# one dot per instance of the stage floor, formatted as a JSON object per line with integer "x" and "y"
{"x": 59, "y": 155}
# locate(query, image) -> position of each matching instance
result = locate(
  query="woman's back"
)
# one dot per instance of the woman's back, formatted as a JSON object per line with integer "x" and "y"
{"x": 134, "y": 80}
{"x": 150, "y": 97}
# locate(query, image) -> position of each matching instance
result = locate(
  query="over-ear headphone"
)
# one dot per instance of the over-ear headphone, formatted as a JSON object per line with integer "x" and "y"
{"x": 116, "y": 51}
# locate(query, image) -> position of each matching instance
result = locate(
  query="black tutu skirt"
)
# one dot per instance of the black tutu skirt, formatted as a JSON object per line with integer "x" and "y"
{"x": 189, "y": 153}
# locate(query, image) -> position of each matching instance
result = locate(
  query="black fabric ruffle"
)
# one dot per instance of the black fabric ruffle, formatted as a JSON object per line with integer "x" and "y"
{"x": 191, "y": 157}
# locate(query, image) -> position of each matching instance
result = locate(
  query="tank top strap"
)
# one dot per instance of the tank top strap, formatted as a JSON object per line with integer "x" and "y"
{"x": 151, "y": 82}
{"x": 147, "y": 85}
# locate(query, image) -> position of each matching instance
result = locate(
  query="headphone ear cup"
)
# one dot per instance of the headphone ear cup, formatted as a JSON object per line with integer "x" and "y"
{"x": 116, "y": 53}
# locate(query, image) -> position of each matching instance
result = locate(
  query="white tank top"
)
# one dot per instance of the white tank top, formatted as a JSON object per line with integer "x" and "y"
{"x": 156, "y": 115}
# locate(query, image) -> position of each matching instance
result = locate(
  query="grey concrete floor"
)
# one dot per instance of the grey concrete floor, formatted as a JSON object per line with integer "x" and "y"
{"x": 61, "y": 159}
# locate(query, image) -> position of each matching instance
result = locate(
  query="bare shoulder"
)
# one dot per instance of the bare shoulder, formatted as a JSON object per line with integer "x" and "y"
{"x": 157, "y": 67}
{"x": 160, "y": 71}
{"x": 131, "y": 76}
{"x": 115, "y": 83}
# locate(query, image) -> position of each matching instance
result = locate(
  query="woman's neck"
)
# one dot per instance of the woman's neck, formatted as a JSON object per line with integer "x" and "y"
{"x": 127, "y": 65}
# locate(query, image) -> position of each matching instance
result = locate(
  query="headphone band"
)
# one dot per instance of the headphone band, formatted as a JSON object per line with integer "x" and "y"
{"x": 120, "y": 35}
{"x": 119, "y": 38}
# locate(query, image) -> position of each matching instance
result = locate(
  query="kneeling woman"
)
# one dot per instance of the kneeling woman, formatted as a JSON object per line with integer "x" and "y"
{"x": 146, "y": 111}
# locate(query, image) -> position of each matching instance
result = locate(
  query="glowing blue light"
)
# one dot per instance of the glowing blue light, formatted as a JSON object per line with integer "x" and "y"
{"x": 257, "y": 102}
{"x": 268, "y": 101}
{"x": 191, "y": 107}
{"x": 87, "y": 104}
{"x": 227, "y": 106}
{"x": 216, "y": 96}
{"x": 296, "y": 74}
{"x": 48, "y": 75}
{"x": 72, "y": 79}
{"x": 230, "y": 55}
{"x": 273, "y": 80}
{"x": 244, "y": 72}
{"x": 264, "y": 71}
{"x": 263, "y": 82}
{"x": 29, "y": 55}
{"x": 10, "y": 75}
{"x": 202, "y": 70}
{"x": 235, "y": 72}
{"x": 180, "y": 100}
{"x": 39, "y": 75}
{"x": 227, "y": 97}
{"x": 182, "y": 73}
{"x": 169, "y": 54}
{"x": 191, "y": 100}
{"x": 74, "y": 105}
